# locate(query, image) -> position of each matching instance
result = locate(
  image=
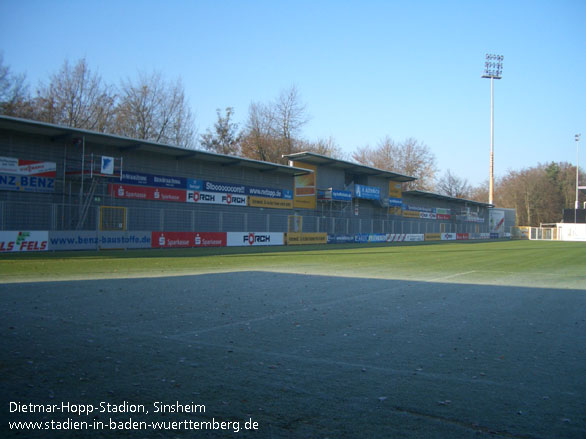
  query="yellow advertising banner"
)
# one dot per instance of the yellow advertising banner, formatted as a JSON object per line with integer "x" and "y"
{"x": 433, "y": 236}
{"x": 395, "y": 211}
{"x": 271, "y": 203}
{"x": 306, "y": 238}
{"x": 411, "y": 214}
{"x": 395, "y": 190}
{"x": 304, "y": 193}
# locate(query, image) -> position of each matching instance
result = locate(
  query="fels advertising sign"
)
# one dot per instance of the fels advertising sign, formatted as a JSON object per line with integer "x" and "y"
{"x": 24, "y": 241}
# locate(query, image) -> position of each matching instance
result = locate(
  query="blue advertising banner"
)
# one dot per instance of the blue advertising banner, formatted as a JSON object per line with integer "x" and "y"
{"x": 136, "y": 178}
{"x": 142, "y": 179}
{"x": 86, "y": 240}
{"x": 395, "y": 202}
{"x": 340, "y": 239}
{"x": 367, "y": 192}
{"x": 361, "y": 238}
{"x": 338, "y": 195}
{"x": 270, "y": 193}
{"x": 231, "y": 188}
{"x": 27, "y": 183}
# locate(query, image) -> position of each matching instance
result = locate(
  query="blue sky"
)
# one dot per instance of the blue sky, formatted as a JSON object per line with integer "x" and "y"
{"x": 365, "y": 69}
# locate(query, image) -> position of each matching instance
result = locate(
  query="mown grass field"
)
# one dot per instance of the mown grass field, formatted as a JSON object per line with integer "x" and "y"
{"x": 521, "y": 263}
{"x": 471, "y": 340}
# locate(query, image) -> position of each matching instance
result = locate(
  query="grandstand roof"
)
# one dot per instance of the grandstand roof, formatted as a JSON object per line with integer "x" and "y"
{"x": 354, "y": 168}
{"x": 425, "y": 194}
{"x": 60, "y": 133}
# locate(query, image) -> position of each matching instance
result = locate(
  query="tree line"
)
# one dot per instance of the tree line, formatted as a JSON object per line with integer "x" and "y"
{"x": 150, "y": 107}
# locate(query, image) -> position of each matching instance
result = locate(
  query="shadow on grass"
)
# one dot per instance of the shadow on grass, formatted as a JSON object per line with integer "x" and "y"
{"x": 304, "y": 356}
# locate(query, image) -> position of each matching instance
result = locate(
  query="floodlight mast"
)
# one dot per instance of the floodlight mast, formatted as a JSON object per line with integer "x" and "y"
{"x": 493, "y": 68}
{"x": 577, "y": 205}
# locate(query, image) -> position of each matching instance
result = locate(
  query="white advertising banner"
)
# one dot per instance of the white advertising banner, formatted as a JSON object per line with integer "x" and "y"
{"x": 24, "y": 241}
{"x": 202, "y": 197}
{"x": 449, "y": 236}
{"x": 238, "y": 239}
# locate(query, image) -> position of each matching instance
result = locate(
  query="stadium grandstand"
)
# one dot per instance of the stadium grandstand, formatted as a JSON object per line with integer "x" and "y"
{"x": 85, "y": 190}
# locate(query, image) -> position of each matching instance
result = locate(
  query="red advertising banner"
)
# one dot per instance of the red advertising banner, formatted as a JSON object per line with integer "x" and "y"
{"x": 461, "y": 236}
{"x": 442, "y": 216}
{"x": 188, "y": 239}
{"x": 147, "y": 193}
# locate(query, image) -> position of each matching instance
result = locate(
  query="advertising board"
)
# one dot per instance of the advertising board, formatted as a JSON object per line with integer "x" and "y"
{"x": 216, "y": 198}
{"x": 27, "y": 175}
{"x": 238, "y": 239}
{"x": 188, "y": 239}
{"x": 496, "y": 220}
{"x": 18, "y": 241}
{"x": 462, "y": 236}
{"x": 366, "y": 192}
{"x": 305, "y": 192}
{"x": 433, "y": 236}
{"x": 306, "y": 238}
{"x": 271, "y": 203}
{"x": 449, "y": 236}
{"x": 93, "y": 240}
{"x": 340, "y": 239}
{"x": 146, "y": 193}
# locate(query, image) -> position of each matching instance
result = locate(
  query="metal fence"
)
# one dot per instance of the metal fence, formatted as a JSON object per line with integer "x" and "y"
{"x": 15, "y": 215}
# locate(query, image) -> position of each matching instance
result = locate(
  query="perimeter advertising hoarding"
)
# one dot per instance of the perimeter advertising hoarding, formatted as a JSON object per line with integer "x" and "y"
{"x": 271, "y": 203}
{"x": 462, "y": 236}
{"x": 433, "y": 236}
{"x": 239, "y": 239}
{"x": 449, "y": 236}
{"x": 305, "y": 193}
{"x": 32, "y": 241}
{"x": 340, "y": 239}
{"x": 306, "y": 238}
{"x": 188, "y": 239}
{"x": 92, "y": 240}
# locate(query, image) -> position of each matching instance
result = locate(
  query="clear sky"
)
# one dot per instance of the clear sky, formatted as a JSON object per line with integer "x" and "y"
{"x": 366, "y": 69}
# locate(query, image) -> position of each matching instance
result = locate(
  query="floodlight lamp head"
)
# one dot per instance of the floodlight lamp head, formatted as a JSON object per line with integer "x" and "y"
{"x": 493, "y": 66}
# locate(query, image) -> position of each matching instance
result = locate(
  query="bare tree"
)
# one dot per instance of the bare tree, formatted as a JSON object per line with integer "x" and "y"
{"x": 225, "y": 138}
{"x": 327, "y": 147}
{"x": 152, "y": 109}
{"x": 409, "y": 158}
{"x": 274, "y": 129}
{"x": 14, "y": 99}
{"x": 453, "y": 186}
{"x": 76, "y": 97}
{"x": 258, "y": 141}
{"x": 290, "y": 115}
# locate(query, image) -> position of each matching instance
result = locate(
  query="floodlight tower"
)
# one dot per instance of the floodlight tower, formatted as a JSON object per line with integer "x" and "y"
{"x": 493, "y": 68}
{"x": 577, "y": 205}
